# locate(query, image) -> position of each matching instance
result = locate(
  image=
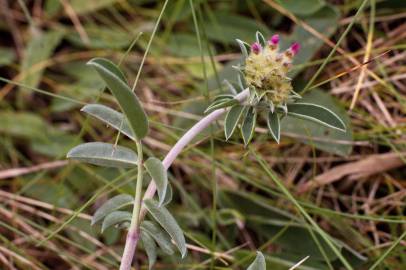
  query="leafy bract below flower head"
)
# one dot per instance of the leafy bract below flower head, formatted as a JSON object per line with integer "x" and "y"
{"x": 266, "y": 70}
{"x": 264, "y": 73}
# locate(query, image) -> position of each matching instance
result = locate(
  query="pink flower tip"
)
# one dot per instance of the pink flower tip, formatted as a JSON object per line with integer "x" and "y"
{"x": 256, "y": 48}
{"x": 274, "y": 40}
{"x": 295, "y": 47}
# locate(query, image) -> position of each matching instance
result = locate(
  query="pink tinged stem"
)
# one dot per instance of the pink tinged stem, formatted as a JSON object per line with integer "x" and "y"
{"x": 133, "y": 235}
{"x": 129, "y": 250}
{"x": 187, "y": 137}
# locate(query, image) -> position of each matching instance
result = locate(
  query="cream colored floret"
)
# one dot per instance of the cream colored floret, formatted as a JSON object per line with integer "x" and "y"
{"x": 266, "y": 72}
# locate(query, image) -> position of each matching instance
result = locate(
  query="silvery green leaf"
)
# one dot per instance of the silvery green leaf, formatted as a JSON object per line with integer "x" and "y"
{"x": 248, "y": 125}
{"x": 112, "y": 205}
{"x": 324, "y": 138}
{"x": 108, "y": 67}
{"x": 104, "y": 154}
{"x": 283, "y": 108}
{"x": 110, "y": 117}
{"x": 168, "y": 222}
{"x": 274, "y": 125}
{"x": 160, "y": 236}
{"x": 219, "y": 99}
{"x": 259, "y": 262}
{"x": 127, "y": 100}
{"x": 115, "y": 218}
{"x": 168, "y": 195}
{"x": 220, "y": 105}
{"x": 243, "y": 46}
{"x": 316, "y": 113}
{"x": 271, "y": 106}
{"x": 232, "y": 118}
{"x": 240, "y": 68}
{"x": 261, "y": 39}
{"x": 222, "y": 97}
{"x": 230, "y": 87}
{"x": 124, "y": 225}
{"x": 241, "y": 82}
{"x": 150, "y": 248}
{"x": 295, "y": 94}
{"x": 158, "y": 173}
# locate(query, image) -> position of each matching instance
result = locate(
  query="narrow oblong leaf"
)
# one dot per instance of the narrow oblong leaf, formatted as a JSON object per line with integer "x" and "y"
{"x": 115, "y": 218}
{"x": 223, "y": 97}
{"x": 150, "y": 248}
{"x": 231, "y": 88}
{"x": 283, "y": 108}
{"x": 168, "y": 195}
{"x": 112, "y": 205}
{"x": 108, "y": 66}
{"x": 127, "y": 100}
{"x": 241, "y": 82}
{"x": 274, "y": 125}
{"x": 160, "y": 236}
{"x": 248, "y": 125}
{"x": 220, "y": 99}
{"x": 124, "y": 225}
{"x": 221, "y": 104}
{"x": 168, "y": 223}
{"x": 111, "y": 117}
{"x": 259, "y": 262}
{"x": 231, "y": 121}
{"x": 320, "y": 136}
{"x": 243, "y": 46}
{"x": 104, "y": 154}
{"x": 316, "y": 113}
{"x": 159, "y": 175}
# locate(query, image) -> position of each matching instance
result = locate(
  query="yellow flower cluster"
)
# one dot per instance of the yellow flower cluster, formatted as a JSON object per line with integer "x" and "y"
{"x": 266, "y": 70}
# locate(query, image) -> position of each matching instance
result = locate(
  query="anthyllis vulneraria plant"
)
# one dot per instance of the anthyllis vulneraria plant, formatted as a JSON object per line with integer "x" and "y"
{"x": 264, "y": 74}
{"x": 264, "y": 87}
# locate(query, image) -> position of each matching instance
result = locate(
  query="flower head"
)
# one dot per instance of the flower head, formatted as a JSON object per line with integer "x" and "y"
{"x": 266, "y": 70}
{"x": 266, "y": 90}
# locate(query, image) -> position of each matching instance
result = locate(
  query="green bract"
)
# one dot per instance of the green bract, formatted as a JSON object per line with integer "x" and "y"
{"x": 259, "y": 262}
{"x": 264, "y": 73}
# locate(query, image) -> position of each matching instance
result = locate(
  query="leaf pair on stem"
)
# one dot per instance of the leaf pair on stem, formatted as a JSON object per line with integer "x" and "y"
{"x": 133, "y": 124}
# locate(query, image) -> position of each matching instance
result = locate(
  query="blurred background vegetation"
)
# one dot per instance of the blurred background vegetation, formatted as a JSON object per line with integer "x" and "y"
{"x": 225, "y": 198}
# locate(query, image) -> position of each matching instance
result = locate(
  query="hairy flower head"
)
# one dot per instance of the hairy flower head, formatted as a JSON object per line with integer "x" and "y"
{"x": 266, "y": 70}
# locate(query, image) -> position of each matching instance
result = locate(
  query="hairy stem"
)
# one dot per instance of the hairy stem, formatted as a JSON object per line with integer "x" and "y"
{"x": 133, "y": 232}
{"x": 186, "y": 138}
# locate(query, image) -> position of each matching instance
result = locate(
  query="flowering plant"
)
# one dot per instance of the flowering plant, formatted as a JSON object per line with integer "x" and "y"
{"x": 264, "y": 87}
{"x": 264, "y": 73}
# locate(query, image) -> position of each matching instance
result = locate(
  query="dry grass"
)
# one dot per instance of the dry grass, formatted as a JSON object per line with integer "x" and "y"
{"x": 358, "y": 199}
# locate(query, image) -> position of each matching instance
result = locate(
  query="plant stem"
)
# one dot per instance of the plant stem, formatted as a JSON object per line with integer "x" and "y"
{"x": 139, "y": 211}
{"x": 133, "y": 232}
{"x": 187, "y": 138}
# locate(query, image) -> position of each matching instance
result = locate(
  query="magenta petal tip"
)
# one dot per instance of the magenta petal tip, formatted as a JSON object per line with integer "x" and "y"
{"x": 256, "y": 48}
{"x": 295, "y": 47}
{"x": 274, "y": 40}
